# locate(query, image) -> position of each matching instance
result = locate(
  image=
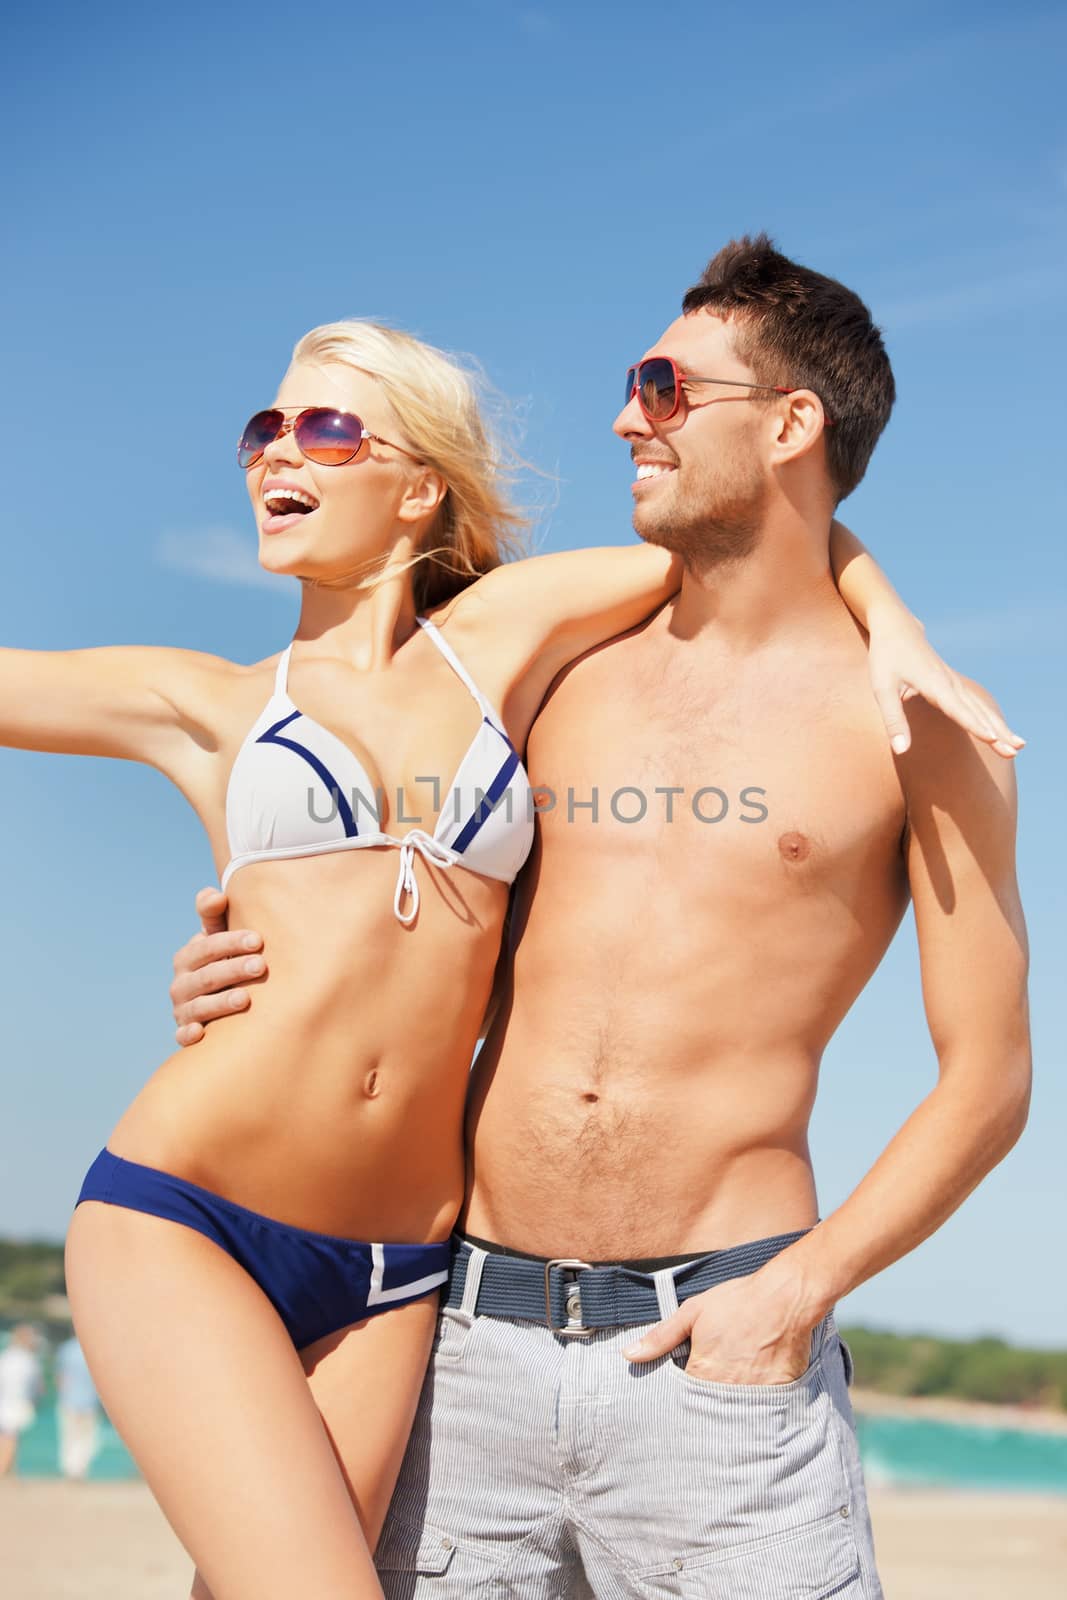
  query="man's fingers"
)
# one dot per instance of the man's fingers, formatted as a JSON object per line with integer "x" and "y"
{"x": 214, "y": 976}
{"x": 212, "y": 907}
{"x": 208, "y": 1008}
{"x": 204, "y": 949}
{"x": 195, "y": 1014}
{"x": 209, "y": 965}
{"x": 662, "y": 1338}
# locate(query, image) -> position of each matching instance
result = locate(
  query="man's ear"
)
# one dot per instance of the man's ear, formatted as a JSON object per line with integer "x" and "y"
{"x": 800, "y": 424}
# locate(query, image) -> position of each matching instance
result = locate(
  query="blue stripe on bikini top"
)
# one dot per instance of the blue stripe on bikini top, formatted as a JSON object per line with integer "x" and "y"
{"x": 296, "y": 789}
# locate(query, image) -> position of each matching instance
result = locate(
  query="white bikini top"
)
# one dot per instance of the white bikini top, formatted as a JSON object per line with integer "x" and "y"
{"x": 296, "y": 790}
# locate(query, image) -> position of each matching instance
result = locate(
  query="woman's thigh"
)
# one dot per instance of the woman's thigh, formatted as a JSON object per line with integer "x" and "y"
{"x": 366, "y": 1381}
{"x": 201, "y": 1379}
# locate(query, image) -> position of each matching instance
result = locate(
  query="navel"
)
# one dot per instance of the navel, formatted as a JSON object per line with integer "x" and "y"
{"x": 794, "y": 847}
{"x": 370, "y": 1084}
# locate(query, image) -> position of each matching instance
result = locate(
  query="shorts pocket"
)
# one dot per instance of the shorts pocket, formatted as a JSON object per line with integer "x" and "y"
{"x": 403, "y": 1548}
{"x": 408, "y": 1553}
{"x": 755, "y": 1462}
{"x": 846, "y": 1359}
{"x": 819, "y": 1562}
{"x": 758, "y": 1393}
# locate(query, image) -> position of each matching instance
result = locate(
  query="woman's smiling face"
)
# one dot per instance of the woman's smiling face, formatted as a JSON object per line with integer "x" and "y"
{"x": 331, "y": 524}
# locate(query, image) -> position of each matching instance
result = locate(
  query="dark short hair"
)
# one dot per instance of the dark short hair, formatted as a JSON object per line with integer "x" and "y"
{"x": 798, "y": 328}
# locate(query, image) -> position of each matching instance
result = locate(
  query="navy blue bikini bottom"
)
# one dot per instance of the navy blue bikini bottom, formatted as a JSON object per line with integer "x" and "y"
{"x": 316, "y": 1282}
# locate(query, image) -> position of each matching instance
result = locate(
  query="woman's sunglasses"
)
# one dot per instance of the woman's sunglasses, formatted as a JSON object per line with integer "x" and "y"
{"x": 658, "y": 385}
{"x": 328, "y": 438}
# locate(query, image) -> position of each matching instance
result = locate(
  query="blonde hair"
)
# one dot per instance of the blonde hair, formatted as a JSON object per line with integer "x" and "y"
{"x": 437, "y": 403}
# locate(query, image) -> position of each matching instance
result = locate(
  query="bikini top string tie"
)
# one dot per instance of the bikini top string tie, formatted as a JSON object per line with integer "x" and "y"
{"x": 407, "y": 885}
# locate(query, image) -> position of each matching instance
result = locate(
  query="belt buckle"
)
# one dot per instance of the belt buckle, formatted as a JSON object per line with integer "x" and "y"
{"x": 572, "y": 1328}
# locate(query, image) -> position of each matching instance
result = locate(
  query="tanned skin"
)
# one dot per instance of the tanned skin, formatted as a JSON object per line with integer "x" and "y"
{"x": 647, "y": 1085}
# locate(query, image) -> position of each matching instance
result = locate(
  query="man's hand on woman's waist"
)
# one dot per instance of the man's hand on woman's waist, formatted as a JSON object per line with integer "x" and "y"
{"x": 209, "y": 969}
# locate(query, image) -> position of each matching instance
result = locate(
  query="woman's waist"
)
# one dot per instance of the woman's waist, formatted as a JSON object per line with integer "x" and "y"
{"x": 348, "y": 1000}
{"x": 360, "y": 1146}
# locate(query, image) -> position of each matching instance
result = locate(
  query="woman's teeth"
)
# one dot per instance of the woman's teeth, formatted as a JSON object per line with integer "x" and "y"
{"x": 284, "y": 502}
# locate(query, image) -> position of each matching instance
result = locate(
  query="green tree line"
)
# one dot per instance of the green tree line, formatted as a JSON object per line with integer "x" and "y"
{"x": 29, "y": 1273}
{"x": 965, "y": 1369}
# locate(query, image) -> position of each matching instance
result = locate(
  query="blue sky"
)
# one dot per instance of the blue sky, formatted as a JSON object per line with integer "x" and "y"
{"x": 537, "y": 185}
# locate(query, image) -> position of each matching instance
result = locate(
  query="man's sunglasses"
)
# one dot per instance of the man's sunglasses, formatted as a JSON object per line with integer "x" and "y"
{"x": 658, "y": 383}
{"x": 328, "y": 438}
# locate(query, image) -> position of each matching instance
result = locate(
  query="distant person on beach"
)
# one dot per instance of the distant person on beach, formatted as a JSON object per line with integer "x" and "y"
{"x": 637, "y": 1386}
{"x": 20, "y": 1389}
{"x": 77, "y": 1411}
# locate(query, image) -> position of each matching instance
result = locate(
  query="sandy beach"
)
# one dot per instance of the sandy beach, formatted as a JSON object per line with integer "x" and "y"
{"x": 108, "y": 1541}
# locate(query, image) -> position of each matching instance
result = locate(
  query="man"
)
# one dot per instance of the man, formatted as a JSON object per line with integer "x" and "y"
{"x": 730, "y": 852}
{"x": 20, "y": 1390}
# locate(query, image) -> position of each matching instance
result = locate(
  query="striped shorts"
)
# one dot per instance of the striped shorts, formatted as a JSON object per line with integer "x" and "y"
{"x": 549, "y": 1468}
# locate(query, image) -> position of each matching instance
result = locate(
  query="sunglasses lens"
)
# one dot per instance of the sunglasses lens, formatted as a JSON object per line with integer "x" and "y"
{"x": 657, "y": 390}
{"x": 259, "y": 432}
{"x": 329, "y": 438}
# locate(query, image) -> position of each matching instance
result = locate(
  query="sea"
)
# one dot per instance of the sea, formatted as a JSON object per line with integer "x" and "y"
{"x": 904, "y": 1451}
{"x": 919, "y": 1452}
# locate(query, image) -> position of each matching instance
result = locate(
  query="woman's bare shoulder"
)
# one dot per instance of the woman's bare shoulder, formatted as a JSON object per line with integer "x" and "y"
{"x": 209, "y": 688}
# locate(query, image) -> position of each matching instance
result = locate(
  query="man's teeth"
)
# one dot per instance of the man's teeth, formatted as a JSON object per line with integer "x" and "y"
{"x": 278, "y": 497}
{"x": 653, "y": 469}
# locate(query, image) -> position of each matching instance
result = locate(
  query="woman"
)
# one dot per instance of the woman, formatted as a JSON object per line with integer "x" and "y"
{"x": 365, "y": 798}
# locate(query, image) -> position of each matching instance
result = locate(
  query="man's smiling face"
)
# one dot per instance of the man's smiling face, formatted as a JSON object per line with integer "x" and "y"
{"x": 702, "y": 477}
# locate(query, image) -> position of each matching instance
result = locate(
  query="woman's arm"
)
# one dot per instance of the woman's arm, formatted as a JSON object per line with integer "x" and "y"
{"x": 130, "y": 701}
{"x": 902, "y": 663}
{"x": 550, "y": 609}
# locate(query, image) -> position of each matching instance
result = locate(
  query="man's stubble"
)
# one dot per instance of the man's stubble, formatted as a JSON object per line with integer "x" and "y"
{"x": 709, "y": 516}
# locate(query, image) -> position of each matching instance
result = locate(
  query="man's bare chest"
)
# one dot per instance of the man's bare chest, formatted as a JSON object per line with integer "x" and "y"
{"x": 758, "y": 787}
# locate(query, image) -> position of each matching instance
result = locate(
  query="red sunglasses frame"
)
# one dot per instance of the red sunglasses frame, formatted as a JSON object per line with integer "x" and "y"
{"x": 633, "y": 387}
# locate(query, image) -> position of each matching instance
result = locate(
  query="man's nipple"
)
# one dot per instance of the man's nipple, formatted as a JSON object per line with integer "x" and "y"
{"x": 794, "y": 846}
